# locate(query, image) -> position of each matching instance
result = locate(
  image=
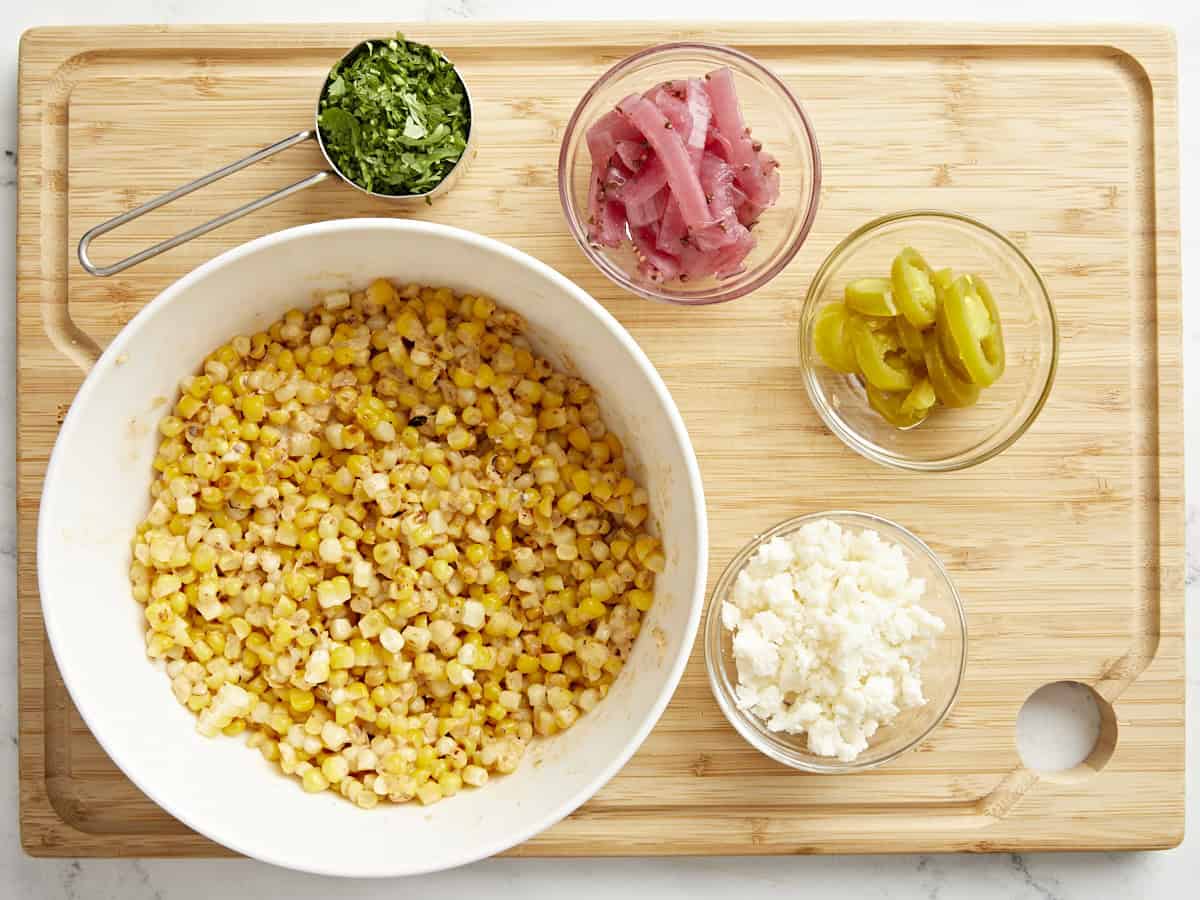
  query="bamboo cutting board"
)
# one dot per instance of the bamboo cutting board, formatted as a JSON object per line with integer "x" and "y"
{"x": 1067, "y": 548}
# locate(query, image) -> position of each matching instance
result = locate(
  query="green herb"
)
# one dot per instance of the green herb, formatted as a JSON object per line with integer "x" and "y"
{"x": 394, "y": 117}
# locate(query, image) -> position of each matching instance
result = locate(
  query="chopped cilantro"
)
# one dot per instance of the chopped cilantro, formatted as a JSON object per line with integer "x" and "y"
{"x": 394, "y": 117}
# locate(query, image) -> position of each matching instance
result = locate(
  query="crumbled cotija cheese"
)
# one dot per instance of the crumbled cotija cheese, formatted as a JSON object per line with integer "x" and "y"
{"x": 828, "y": 636}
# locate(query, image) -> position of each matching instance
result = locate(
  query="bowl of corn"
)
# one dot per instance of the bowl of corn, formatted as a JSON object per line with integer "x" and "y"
{"x": 396, "y": 523}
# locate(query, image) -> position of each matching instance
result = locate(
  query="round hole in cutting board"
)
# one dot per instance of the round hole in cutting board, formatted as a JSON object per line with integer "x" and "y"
{"x": 1066, "y": 731}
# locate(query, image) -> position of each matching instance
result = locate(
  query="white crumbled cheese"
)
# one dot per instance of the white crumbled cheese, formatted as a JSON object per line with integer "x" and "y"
{"x": 829, "y": 636}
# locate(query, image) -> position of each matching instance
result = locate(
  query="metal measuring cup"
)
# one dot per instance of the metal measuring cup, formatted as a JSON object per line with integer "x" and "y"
{"x": 314, "y": 133}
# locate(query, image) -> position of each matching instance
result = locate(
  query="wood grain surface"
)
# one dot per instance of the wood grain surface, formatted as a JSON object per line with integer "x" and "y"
{"x": 1067, "y": 548}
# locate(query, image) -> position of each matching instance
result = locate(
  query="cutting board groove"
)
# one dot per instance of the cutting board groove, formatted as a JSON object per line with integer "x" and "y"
{"x": 1068, "y": 548}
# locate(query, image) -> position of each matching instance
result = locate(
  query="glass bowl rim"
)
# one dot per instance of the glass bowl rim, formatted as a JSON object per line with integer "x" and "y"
{"x": 615, "y": 274}
{"x": 858, "y": 443}
{"x": 746, "y": 724}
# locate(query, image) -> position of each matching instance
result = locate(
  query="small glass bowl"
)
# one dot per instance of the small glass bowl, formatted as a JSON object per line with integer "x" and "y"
{"x": 949, "y": 439}
{"x": 779, "y": 122}
{"x": 941, "y": 673}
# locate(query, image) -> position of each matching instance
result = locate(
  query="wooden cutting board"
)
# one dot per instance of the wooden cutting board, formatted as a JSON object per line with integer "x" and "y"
{"x": 1068, "y": 548}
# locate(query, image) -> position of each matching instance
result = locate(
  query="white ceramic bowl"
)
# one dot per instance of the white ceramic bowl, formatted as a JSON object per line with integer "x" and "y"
{"x": 97, "y": 491}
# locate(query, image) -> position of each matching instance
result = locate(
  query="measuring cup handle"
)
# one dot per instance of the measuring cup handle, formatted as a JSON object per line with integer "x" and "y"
{"x": 298, "y": 138}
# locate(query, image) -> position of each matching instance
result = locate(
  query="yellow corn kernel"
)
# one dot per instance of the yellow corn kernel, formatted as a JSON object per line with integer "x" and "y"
{"x": 381, "y": 292}
{"x": 170, "y": 426}
{"x": 442, "y": 570}
{"x": 569, "y": 501}
{"x": 485, "y": 377}
{"x": 590, "y": 608}
{"x": 581, "y": 481}
{"x": 439, "y": 474}
{"x": 300, "y": 700}
{"x": 204, "y": 558}
{"x": 341, "y": 657}
{"x": 644, "y": 546}
{"x": 641, "y": 600}
{"x": 314, "y": 781}
{"x": 579, "y": 438}
{"x": 335, "y": 768}
{"x": 221, "y": 395}
{"x": 601, "y": 490}
{"x": 504, "y": 539}
{"x": 600, "y": 589}
{"x": 372, "y": 624}
{"x": 188, "y": 406}
{"x": 561, "y": 643}
{"x": 483, "y": 307}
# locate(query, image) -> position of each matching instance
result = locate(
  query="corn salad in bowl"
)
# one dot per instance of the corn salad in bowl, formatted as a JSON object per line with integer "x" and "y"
{"x": 95, "y": 498}
{"x": 392, "y": 544}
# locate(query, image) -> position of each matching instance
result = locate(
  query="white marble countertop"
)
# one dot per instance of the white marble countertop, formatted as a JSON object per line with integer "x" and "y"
{"x": 1050, "y": 876}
